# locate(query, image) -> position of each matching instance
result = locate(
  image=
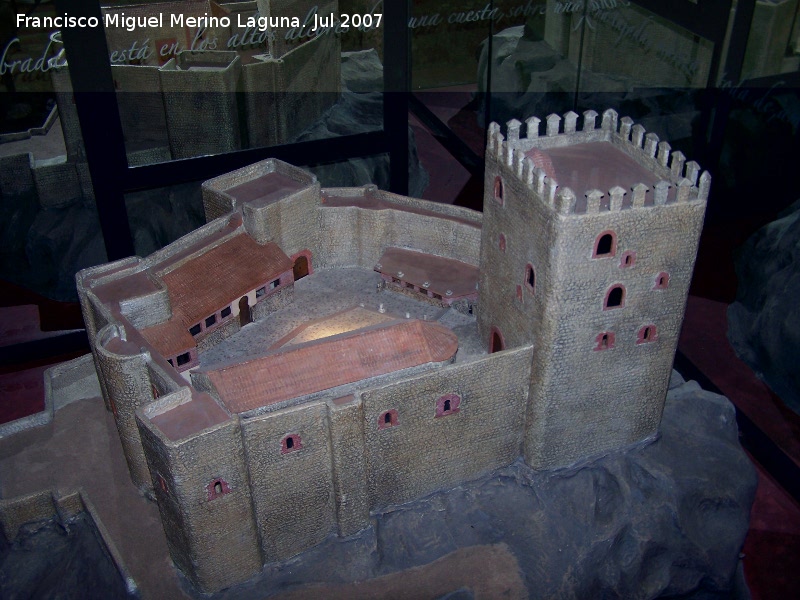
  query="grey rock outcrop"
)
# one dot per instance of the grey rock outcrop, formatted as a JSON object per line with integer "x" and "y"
{"x": 764, "y": 322}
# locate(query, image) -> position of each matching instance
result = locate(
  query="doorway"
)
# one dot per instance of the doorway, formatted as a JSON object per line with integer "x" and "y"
{"x": 496, "y": 343}
{"x": 300, "y": 268}
{"x": 244, "y": 312}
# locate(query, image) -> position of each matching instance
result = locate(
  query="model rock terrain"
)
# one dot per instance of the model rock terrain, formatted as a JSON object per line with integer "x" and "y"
{"x": 57, "y": 559}
{"x": 664, "y": 520}
{"x": 763, "y": 322}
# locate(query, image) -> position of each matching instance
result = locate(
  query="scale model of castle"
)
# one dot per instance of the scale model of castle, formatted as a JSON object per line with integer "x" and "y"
{"x": 581, "y": 298}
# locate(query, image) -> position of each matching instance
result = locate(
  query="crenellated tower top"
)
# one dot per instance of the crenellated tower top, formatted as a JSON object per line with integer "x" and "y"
{"x": 596, "y": 178}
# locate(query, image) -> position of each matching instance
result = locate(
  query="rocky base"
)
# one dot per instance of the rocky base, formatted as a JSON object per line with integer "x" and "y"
{"x": 764, "y": 322}
{"x": 664, "y": 519}
{"x": 55, "y": 560}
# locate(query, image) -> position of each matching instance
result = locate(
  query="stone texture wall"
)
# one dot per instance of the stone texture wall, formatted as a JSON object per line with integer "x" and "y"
{"x": 191, "y": 96}
{"x": 275, "y": 301}
{"x": 356, "y": 237}
{"x": 127, "y": 386}
{"x": 528, "y": 233}
{"x": 292, "y": 488}
{"x": 212, "y": 536}
{"x": 147, "y": 310}
{"x": 349, "y": 467}
{"x": 574, "y": 415}
{"x": 422, "y": 453}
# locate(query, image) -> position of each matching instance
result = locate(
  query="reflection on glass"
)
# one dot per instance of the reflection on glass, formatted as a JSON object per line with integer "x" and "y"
{"x": 773, "y": 46}
{"x": 200, "y": 77}
{"x": 49, "y": 227}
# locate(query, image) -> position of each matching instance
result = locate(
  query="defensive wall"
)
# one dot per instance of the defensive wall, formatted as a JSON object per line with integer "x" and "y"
{"x": 273, "y": 503}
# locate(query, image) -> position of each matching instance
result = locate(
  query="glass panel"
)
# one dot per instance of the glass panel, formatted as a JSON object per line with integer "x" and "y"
{"x": 666, "y": 97}
{"x": 49, "y": 227}
{"x": 773, "y": 46}
{"x": 197, "y": 77}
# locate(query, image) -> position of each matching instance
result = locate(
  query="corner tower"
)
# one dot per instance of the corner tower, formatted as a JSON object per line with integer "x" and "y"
{"x": 588, "y": 247}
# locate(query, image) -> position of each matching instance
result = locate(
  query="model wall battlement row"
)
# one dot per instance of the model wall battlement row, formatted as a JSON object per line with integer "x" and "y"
{"x": 644, "y": 148}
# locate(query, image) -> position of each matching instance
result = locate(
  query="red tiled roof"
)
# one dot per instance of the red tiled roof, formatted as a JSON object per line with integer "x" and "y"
{"x": 594, "y": 165}
{"x": 442, "y": 274}
{"x": 201, "y": 412}
{"x": 204, "y": 284}
{"x": 338, "y": 360}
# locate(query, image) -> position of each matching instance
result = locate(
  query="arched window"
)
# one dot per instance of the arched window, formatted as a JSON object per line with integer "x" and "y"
{"x": 447, "y": 405}
{"x": 496, "y": 341}
{"x": 628, "y": 260}
{"x": 501, "y": 243}
{"x": 291, "y": 443}
{"x": 662, "y": 281}
{"x": 605, "y": 245}
{"x": 498, "y": 190}
{"x": 615, "y": 298}
{"x": 388, "y": 419}
{"x": 217, "y": 488}
{"x": 647, "y": 334}
{"x": 530, "y": 278}
{"x": 604, "y": 341}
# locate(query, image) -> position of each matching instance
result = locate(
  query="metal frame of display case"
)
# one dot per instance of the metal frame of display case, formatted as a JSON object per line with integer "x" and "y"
{"x": 112, "y": 178}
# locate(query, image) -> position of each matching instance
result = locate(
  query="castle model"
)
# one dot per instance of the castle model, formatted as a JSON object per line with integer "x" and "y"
{"x": 568, "y": 293}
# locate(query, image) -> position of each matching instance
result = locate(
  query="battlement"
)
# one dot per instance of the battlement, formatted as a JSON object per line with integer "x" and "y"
{"x": 666, "y": 173}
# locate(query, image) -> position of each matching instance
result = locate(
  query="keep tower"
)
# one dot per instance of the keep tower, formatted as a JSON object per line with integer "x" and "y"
{"x": 589, "y": 241}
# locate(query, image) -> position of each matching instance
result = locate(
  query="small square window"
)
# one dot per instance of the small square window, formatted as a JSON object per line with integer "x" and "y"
{"x": 184, "y": 359}
{"x": 388, "y": 419}
{"x": 274, "y": 284}
{"x": 211, "y": 320}
{"x": 195, "y": 329}
{"x": 217, "y": 488}
{"x": 291, "y": 443}
{"x": 604, "y": 341}
{"x": 226, "y": 312}
{"x": 447, "y": 405}
{"x": 260, "y": 292}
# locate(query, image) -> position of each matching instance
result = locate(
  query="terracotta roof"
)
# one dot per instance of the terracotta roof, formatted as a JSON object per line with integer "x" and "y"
{"x": 594, "y": 165}
{"x": 442, "y": 274}
{"x": 169, "y": 338}
{"x": 311, "y": 367}
{"x": 204, "y": 284}
{"x": 201, "y": 412}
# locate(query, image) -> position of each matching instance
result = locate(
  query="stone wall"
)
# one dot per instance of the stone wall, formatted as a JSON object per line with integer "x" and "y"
{"x": 292, "y": 488}
{"x": 424, "y": 452}
{"x": 127, "y": 386}
{"x": 211, "y": 532}
{"x": 357, "y": 237}
{"x": 572, "y": 415}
